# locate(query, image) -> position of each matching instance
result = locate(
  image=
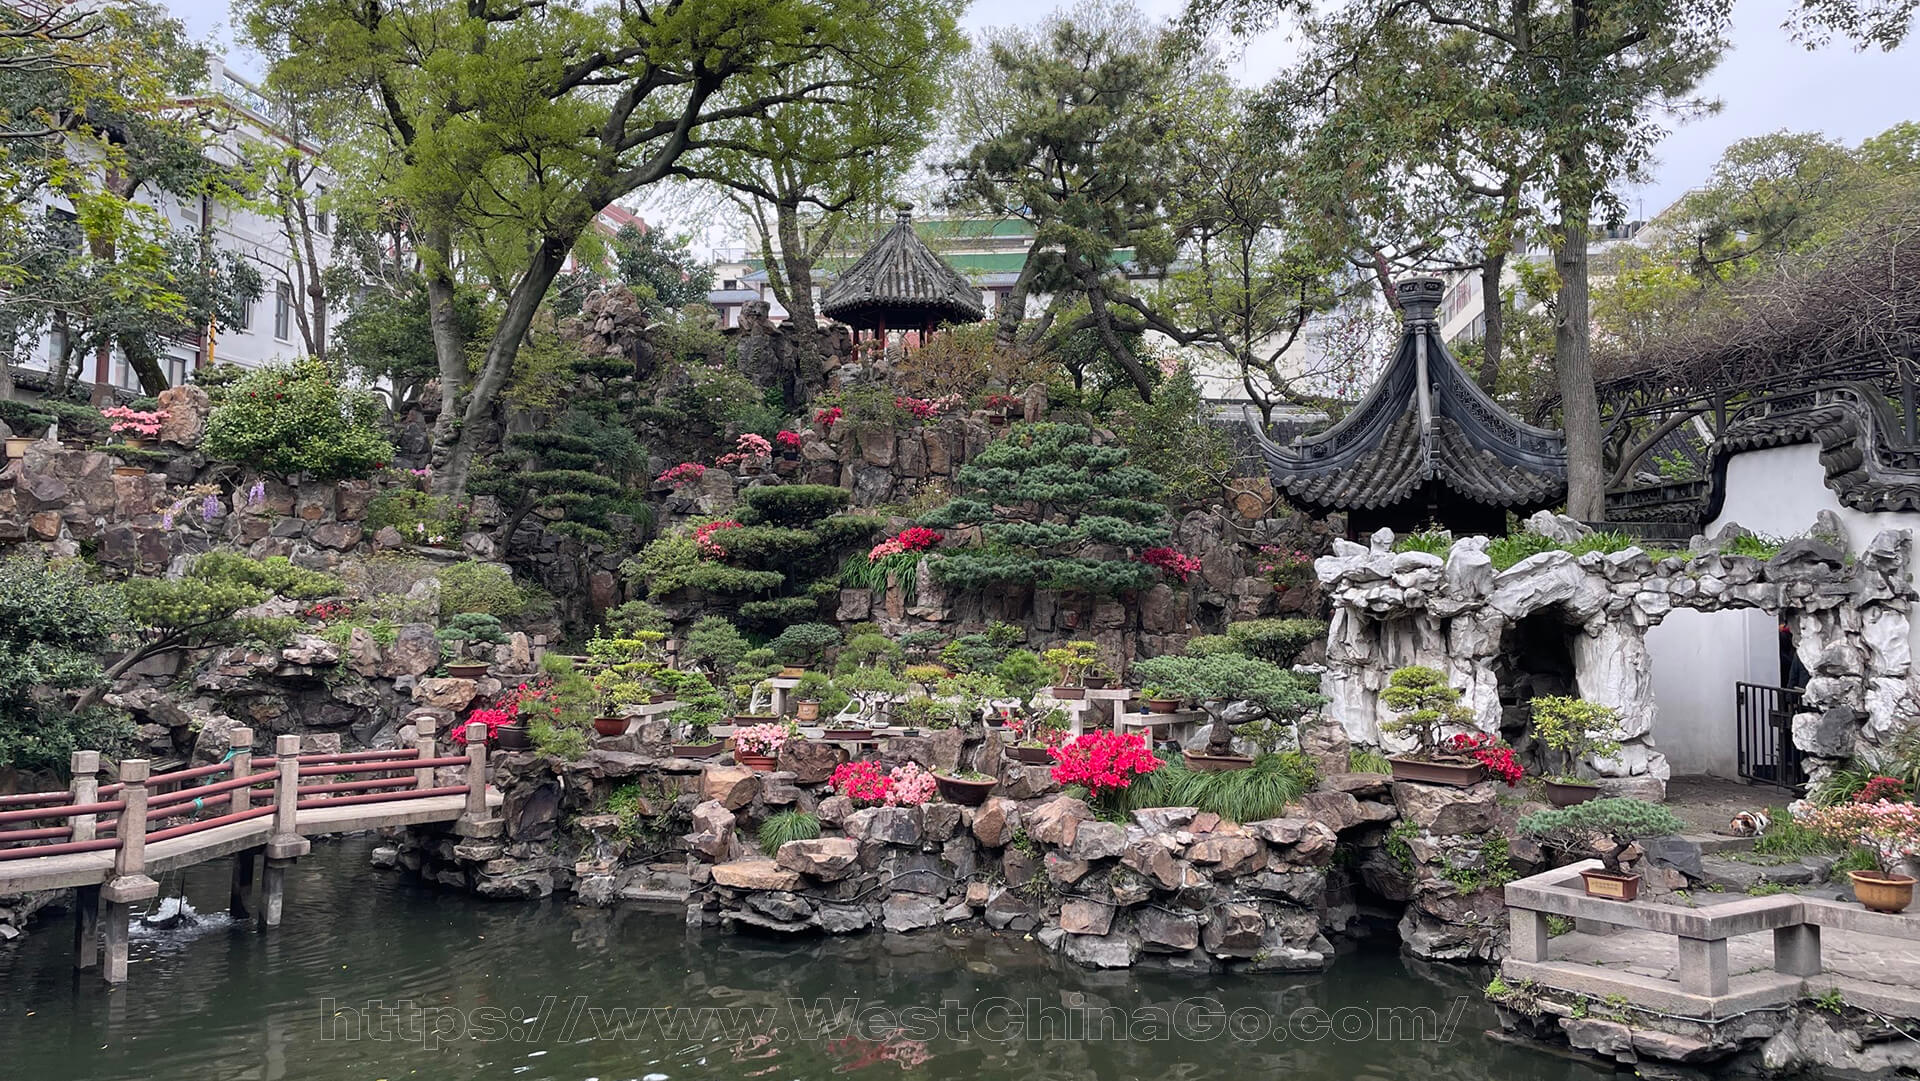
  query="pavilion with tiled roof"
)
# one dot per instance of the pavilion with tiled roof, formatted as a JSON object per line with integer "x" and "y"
{"x": 1426, "y": 446}
{"x": 901, "y": 284}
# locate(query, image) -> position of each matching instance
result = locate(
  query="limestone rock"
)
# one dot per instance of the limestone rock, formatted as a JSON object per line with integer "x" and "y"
{"x": 908, "y": 912}
{"x": 732, "y": 786}
{"x": 1086, "y": 918}
{"x": 755, "y": 875}
{"x": 1057, "y": 821}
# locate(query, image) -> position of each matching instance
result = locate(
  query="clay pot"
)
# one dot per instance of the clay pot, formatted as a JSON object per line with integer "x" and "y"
{"x": 1032, "y": 756}
{"x": 129, "y": 471}
{"x": 1610, "y": 886}
{"x": 610, "y": 726}
{"x": 1163, "y": 705}
{"x": 1881, "y": 892}
{"x": 1216, "y": 763}
{"x": 847, "y": 733}
{"x": 513, "y": 737}
{"x": 806, "y": 711}
{"x": 1068, "y": 694}
{"x": 1097, "y": 683}
{"x": 467, "y": 670}
{"x": 1457, "y": 773}
{"x": 793, "y": 671}
{"x": 1566, "y": 794}
{"x": 962, "y": 791}
{"x": 697, "y": 750}
{"x": 759, "y": 763}
{"x": 17, "y": 448}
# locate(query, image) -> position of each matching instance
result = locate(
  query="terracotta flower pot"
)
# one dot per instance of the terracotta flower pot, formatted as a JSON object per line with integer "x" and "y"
{"x": 129, "y": 471}
{"x": 759, "y": 763}
{"x": 1032, "y": 756}
{"x": 1069, "y": 694}
{"x": 1459, "y": 773}
{"x": 1612, "y": 887}
{"x": 610, "y": 726}
{"x": 962, "y": 791}
{"x": 1163, "y": 705}
{"x": 847, "y": 733}
{"x": 697, "y": 750}
{"x": 1566, "y": 794}
{"x": 1097, "y": 683}
{"x": 1216, "y": 763}
{"x": 467, "y": 670}
{"x": 1881, "y": 892}
{"x": 513, "y": 737}
{"x": 806, "y": 711}
{"x": 793, "y": 671}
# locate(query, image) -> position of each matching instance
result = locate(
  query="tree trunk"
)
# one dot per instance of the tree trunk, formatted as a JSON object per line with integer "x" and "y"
{"x": 142, "y": 361}
{"x": 448, "y": 350}
{"x": 1573, "y": 362}
{"x": 1103, "y": 324}
{"x": 453, "y": 457}
{"x": 1491, "y": 270}
{"x": 1013, "y": 310}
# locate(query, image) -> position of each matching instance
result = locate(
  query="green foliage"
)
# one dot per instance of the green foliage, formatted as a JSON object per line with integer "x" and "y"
{"x": 1434, "y": 542}
{"x": 1044, "y": 498}
{"x": 33, "y": 418}
{"x": 299, "y": 419}
{"x": 1363, "y": 760}
{"x": 1022, "y": 672}
{"x": 981, "y": 652}
{"x": 1786, "y": 837}
{"x": 715, "y": 644}
{"x": 1495, "y": 869}
{"x": 651, "y": 817}
{"x": 1258, "y": 792}
{"x": 578, "y": 465}
{"x": 470, "y": 586}
{"x": 1277, "y": 640}
{"x": 202, "y": 605}
{"x": 1215, "y": 679}
{"x": 1426, "y": 704}
{"x": 701, "y": 703}
{"x": 790, "y": 504}
{"x": 819, "y": 687}
{"x": 786, "y": 826}
{"x": 631, "y": 617}
{"x": 1619, "y": 820}
{"x": 1167, "y": 437}
{"x": 1757, "y": 545}
{"x": 419, "y": 517}
{"x": 54, "y": 624}
{"x": 805, "y": 643}
{"x": 866, "y": 650}
{"x": 1577, "y": 729}
{"x": 465, "y": 627}
{"x": 672, "y": 563}
{"x": 780, "y": 610}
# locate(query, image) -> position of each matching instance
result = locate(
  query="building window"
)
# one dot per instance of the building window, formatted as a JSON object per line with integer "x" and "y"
{"x": 243, "y": 320}
{"x": 319, "y": 213}
{"x": 282, "y": 310}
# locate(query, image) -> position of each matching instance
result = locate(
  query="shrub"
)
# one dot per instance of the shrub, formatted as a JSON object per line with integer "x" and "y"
{"x": 780, "y": 610}
{"x": 419, "y": 517}
{"x": 1023, "y": 672}
{"x": 1276, "y": 640}
{"x": 1104, "y": 762}
{"x": 715, "y": 644}
{"x": 465, "y": 627}
{"x": 203, "y": 606}
{"x": 868, "y": 650}
{"x": 627, "y": 620}
{"x": 469, "y": 586}
{"x": 1621, "y": 821}
{"x": 791, "y": 504}
{"x": 787, "y": 826}
{"x": 299, "y": 418}
{"x": 54, "y": 624}
{"x": 673, "y": 562}
{"x": 805, "y": 643}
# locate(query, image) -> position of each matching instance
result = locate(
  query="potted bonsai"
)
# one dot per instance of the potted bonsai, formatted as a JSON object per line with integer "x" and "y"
{"x": 971, "y": 695}
{"x": 628, "y": 667}
{"x": 1236, "y": 691}
{"x": 1890, "y": 830}
{"x": 814, "y": 688}
{"x": 1618, "y": 821}
{"x": 1035, "y": 737}
{"x": 701, "y": 707}
{"x": 964, "y": 786}
{"x": 803, "y": 645}
{"x": 462, "y": 630}
{"x": 757, "y": 746}
{"x": 1098, "y": 677}
{"x": 1159, "y": 699}
{"x": 1071, "y": 661}
{"x": 873, "y": 688}
{"x": 1427, "y": 707}
{"x": 1577, "y": 730}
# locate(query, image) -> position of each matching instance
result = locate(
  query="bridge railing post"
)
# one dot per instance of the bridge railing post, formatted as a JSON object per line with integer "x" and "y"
{"x": 423, "y": 741}
{"x": 476, "y": 771}
{"x": 242, "y": 759}
{"x": 240, "y": 887}
{"x": 86, "y": 900}
{"x": 129, "y": 882}
{"x": 286, "y": 844}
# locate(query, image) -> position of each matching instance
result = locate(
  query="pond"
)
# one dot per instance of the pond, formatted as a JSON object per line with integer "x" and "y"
{"x": 375, "y": 975}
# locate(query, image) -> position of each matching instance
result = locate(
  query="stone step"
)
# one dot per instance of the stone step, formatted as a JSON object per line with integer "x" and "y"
{"x": 1739, "y": 876}
{"x": 1713, "y": 843}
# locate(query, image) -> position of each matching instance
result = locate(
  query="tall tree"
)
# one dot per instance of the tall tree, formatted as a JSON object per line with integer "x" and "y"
{"x": 501, "y": 130}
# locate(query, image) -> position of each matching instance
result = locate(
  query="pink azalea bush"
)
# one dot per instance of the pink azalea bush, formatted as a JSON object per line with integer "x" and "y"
{"x": 684, "y": 473}
{"x": 762, "y": 739}
{"x": 869, "y": 785}
{"x": 926, "y": 408}
{"x": 1891, "y": 829}
{"x": 749, "y": 449}
{"x": 144, "y": 425}
{"x": 703, "y": 538}
{"x": 1171, "y": 560}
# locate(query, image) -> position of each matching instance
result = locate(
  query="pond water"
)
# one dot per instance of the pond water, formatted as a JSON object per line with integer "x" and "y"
{"x": 374, "y": 975}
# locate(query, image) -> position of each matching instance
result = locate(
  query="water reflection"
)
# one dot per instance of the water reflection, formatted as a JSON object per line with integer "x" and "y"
{"x": 376, "y": 976}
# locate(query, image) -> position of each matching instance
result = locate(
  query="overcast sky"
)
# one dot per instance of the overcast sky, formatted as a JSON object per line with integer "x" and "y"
{"x": 1766, "y": 82}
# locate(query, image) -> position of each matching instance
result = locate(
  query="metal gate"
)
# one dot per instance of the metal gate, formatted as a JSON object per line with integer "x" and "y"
{"x": 1765, "y": 718}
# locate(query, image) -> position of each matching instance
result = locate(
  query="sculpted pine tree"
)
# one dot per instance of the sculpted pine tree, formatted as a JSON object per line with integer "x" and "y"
{"x": 1057, "y": 511}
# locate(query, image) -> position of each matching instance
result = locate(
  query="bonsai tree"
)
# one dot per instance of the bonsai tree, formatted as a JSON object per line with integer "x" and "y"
{"x": 701, "y": 705}
{"x": 1052, "y": 504}
{"x": 921, "y": 644}
{"x": 1427, "y": 707}
{"x": 1021, "y": 672}
{"x": 868, "y": 650}
{"x": 1072, "y": 661}
{"x": 805, "y": 645}
{"x": 1217, "y": 680}
{"x": 873, "y": 688}
{"x": 715, "y": 645}
{"x": 971, "y": 693}
{"x": 465, "y": 628}
{"x": 631, "y": 666}
{"x": 1577, "y": 729}
{"x": 818, "y": 687}
{"x": 1619, "y": 821}
{"x": 561, "y": 729}
{"x": 984, "y": 651}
